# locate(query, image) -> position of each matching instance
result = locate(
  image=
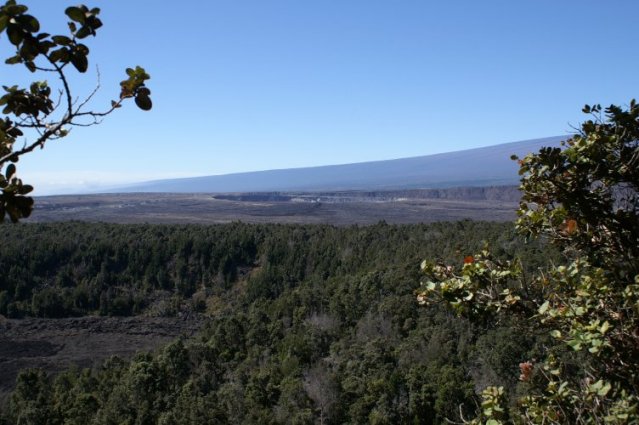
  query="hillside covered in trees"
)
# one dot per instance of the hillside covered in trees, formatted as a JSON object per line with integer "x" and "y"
{"x": 317, "y": 324}
{"x": 306, "y": 323}
{"x": 312, "y": 324}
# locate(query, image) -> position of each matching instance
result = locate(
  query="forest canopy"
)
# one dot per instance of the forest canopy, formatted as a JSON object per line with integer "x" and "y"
{"x": 304, "y": 322}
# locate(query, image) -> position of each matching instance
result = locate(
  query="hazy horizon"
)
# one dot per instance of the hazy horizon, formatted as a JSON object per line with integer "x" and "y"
{"x": 481, "y": 166}
{"x": 62, "y": 187}
{"x": 246, "y": 86}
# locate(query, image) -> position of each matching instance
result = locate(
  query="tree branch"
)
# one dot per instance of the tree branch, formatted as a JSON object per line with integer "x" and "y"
{"x": 38, "y": 143}
{"x": 65, "y": 83}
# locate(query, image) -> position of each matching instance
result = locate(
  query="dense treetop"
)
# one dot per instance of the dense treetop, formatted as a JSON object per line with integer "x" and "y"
{"x": 306, "y": 323}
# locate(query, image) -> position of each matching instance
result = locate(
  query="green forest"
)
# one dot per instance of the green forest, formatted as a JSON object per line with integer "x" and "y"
{"x": 306, "y": 323}
{"x": 535, "y": 322}
{"x": 462, "y": 322}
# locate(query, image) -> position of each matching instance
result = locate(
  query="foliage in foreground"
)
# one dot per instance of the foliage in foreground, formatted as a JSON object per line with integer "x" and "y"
{"x": 584, "y": 199}
{"x": 32, "y": 116}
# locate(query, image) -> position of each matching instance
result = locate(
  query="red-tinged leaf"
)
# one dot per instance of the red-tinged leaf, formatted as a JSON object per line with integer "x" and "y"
{"x": 570, "y": 226}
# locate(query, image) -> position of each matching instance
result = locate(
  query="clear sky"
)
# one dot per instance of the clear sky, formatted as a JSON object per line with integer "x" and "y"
{"x": 251, "y": 85}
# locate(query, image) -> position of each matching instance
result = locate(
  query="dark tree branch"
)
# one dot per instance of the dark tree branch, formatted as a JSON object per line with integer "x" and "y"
{"x": 65, "y": 83}
{"x": 38, "y": 143}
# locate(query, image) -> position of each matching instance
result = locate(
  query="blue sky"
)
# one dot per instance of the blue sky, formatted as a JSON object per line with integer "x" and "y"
{"x": 253, "y": 85}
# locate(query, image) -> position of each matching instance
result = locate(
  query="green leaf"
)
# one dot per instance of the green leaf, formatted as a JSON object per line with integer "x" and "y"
{"x": 13, "y": 60}
{"x": 83, "y": 49}
{"x": 60, "y": 55}
{"x": 601, "y": 388}
{"x": 83, "y": 32}
{"x": 14, "y": 34}
{"x": 14, "y": 9}
{"x": 574, "y": 344}
{"x": 143, "y": 101}
{"x": 95, "y": 23}
{"x": 4, "y": 20}
{"x": 23, "y": 207}
{"x": 29, "y": 49}
{"x": 544, "y": 307}
{"x": 29, "y": 22}
{"x": 44, "y": 46}
{"x": 61, "y": 40}
{"x": 75, "y": 14}
{"x": 80, "y": 62}
{"x": 11, "y": 170}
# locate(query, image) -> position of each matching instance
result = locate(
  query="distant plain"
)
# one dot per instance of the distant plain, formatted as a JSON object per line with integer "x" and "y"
{"x": 336, "y": 208}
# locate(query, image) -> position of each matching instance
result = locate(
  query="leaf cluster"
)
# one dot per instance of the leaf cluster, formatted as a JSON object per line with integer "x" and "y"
{"x": 32, "y": 113}
{"x": 584, "y": 198}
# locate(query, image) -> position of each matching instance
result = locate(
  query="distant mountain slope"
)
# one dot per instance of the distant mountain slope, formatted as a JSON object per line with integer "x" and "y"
{"x": 486, "y": 166}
